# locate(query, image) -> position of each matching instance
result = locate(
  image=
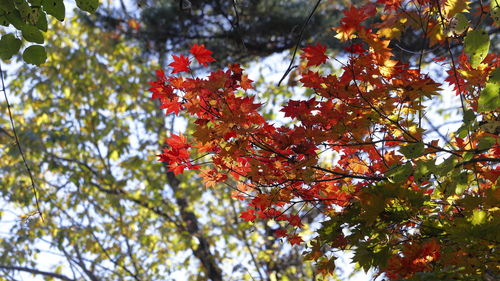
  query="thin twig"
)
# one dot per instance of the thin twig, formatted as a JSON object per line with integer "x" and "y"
{"x": 237, "y": 25}
{"x": 19, "y": 145}
{"x": 290, "y": 66}
{"x": 35, "y": 271}
{"x": 455, "y": 72}
{"x": 244, "y": 237}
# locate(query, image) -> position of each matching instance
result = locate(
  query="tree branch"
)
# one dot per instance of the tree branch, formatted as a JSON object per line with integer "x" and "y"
{"x": 475, "y": 160}
{"x": 290, "y": 66}
{"x": 36, "y": 271}
{"x": 33, "y": 187}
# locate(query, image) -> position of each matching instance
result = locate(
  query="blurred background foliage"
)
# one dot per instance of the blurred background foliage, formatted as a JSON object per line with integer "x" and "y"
{"x": 90, "y": 134}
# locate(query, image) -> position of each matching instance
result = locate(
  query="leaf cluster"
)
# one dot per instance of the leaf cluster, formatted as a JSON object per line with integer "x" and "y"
{"x": 406, "y": 204}
{"x": 29, "y": 17}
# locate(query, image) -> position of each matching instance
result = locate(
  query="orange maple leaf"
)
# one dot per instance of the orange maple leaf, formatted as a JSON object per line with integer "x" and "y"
{"x": 295, "y": 239}
{"x": 246, "y": 83}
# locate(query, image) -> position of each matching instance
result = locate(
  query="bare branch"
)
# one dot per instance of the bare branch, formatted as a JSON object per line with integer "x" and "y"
{"x": 36, "y": 271}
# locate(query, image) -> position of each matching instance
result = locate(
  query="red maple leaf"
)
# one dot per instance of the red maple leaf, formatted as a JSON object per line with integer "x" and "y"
{"x": 177, "y": 141}
{"x": 171, "y": 106}
{"x": 295, "y": 109}
{"x": 176, "y": 168}
{"x": 248, "y": 215}
{"x": 201, "y": 54}
{"x": 355, "y": 49}
{"x": 390, "y": 4}
{"x": 280, "y": 233}
{"x": 161, "y": 91}
{"x": 180, "y": 64}
{"x": 315, "y": 55}
{"x": 295, "y": 220}
{"x": 160, "y": 74}
{"x": 295, "y": 239}
{"x": 311, "y": 79}
{"x": 354, "y": 17}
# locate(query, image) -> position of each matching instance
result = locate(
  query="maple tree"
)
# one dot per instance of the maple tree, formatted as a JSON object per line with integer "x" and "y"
{"x": 407, "y": 205}
{"x": 110, "y": 212}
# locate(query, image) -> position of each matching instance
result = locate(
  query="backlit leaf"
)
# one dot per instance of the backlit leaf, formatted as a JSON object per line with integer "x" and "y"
{"x": 477, "y": 44}
{"x": 412, "y": 150}
{"x": 478, "y": 217}
{"x": 489, "y": 100}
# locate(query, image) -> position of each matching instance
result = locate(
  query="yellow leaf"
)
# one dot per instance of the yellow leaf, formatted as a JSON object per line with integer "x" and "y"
{"x": 453, "y": 7}
{"x": 478, "y": 217}
{"x": 42, "y": 119}
{"x": 114, "y": 155}
{"x": 392, "y": 26}
{"x": 436, "y": 35}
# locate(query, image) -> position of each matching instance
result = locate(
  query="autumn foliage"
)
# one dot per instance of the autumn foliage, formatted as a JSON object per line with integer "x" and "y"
{"x": 405, "y": 204}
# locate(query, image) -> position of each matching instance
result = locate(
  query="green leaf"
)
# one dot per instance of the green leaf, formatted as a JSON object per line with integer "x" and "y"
{"x": 402, "y": 172}
{"x": 469, "y": 116}
{"x": 33, "y": 15}
{"x": 477, "y": 44}
{"x": 35, "y": 54}
{"x": 42, "y": 22}
{"x": 364, "y": 257}
{"x": 32, "y": 34}
{"x": 489, "y": 99}
{"x": 380, "y": 255}
{"x": 413, "y": 150}
{"x": 7, "y": 5}
{"x": 24, "y": 9}
{"x": 88, "y": 5}
{"x": 462, "y": 131}
{"x": 9, "y": 46}
{"x": 446, "y": 166}
{"x": 468, "y": 155}
{"x": 461, "y": 182}
{"x": 491, "y": 126}
{"x": 424, "y": 168}
{"x": 4, "y": 21}
{"x": 14, "y": 17}
{"x": 54, "y": 8}
{"x": 495, "y": 11}
{"x": 447, "y": 187}
{"x": 486, "y": 143}
{"x": 462, "y": 23}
